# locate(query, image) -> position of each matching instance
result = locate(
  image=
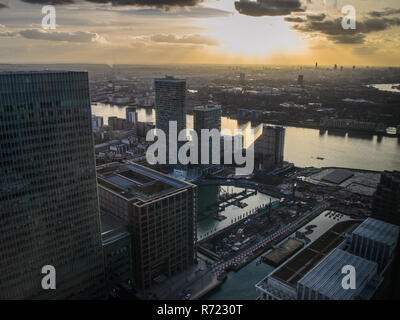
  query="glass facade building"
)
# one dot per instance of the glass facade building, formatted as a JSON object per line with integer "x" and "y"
{"x": 49, "y": 213}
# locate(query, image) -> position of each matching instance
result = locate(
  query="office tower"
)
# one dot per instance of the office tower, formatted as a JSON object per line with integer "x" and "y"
{"x": 386, "y": 201}
{"x": 160, "y": 214}
{"x": 242, "y": 77}
{"x": 269, "y": 147}
{"x": 97, "y": 121}
{"x": 170, "y": 103}
{"x": 48, "y": 195}
{"x": 116, "y": 123}
{"x": 207, "y": 117}
{"x": 131, "y": 117}
{"x": 300, "y": 80}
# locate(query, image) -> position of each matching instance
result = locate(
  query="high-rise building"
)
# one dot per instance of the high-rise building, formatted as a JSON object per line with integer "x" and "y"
{"x": 116, "y": 123}
{"x": 386, "y": 201}
{"x": 170, "y": 103}
{"x": 269, "y": 147}
{"x": 300, "y": 80}
{"x": 242, "y": 78}
{"x": 207, "y": 117}
{"x": 159, "y": 211}
{"x": 49, "y": 213}
{"x": 131, "y": 117}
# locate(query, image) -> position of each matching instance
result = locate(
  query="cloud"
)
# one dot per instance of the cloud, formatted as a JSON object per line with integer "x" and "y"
{"x": 385, "y": 13}
{"x": 316, "y": 17}
{"x": 141, "y": 3}
{"x": 333, "y": 30}
{"x": 261, "y": 8}
{"x": 294, "y": 19}
{"x": 51, "y": 2}
{"x": 363, "y": 51}
{"x": 79, "y": 36}
{"x": 194, "y": 12}
{"x": 187, "y": 39}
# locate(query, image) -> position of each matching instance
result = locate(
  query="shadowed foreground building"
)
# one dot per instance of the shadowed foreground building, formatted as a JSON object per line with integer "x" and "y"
{"x": 48, "y": 197}
{"x": 315, "y": 273}
{"x": 160, "y": 215}
{"x": 386, "y": 203}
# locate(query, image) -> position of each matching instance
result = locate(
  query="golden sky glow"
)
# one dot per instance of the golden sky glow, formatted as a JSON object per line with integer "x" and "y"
{"x": 210, "y": 32}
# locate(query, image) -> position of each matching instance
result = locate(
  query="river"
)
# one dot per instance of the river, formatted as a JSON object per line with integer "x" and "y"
{"x": 303, "y": 146}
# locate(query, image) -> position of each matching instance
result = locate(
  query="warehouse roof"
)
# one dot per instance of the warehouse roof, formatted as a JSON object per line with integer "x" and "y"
{"x": 378, "y": 231}
{"x": 337, "y": 176}
{"x": 326, "y": 277}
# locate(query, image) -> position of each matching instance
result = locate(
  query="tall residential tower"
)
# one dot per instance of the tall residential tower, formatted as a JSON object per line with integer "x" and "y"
{"x": 170, "y": 105}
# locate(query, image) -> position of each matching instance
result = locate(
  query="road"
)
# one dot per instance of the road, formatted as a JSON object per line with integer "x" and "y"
{"x": 220, "y": 267}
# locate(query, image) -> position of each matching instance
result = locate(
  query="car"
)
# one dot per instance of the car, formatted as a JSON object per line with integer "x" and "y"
{"x": 187, "y": 297}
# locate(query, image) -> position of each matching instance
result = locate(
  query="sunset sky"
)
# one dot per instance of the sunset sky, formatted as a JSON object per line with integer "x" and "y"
{"x": 195, "y": 31}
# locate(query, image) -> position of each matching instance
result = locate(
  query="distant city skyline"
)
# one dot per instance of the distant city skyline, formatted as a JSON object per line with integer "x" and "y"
{"x": 201, "y": 32}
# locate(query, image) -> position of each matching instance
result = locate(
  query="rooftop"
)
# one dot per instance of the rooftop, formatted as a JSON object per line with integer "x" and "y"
{"x": 379, "y": 231}
{"x": 170, "y": 79}
{"x": 37, "y": 72}
{"x": 208, "y": 107}
{"x": 133, "y": 181}
{"x": 326, "y": 277}
{"x": 338, "y": 176}
{"x": 297, "y": 267}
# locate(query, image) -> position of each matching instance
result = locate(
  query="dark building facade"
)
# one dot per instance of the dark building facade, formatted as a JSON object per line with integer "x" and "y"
{"x": 269, "y": 148}
{"x": 207, "y": 117}
{"x": 386, "y": 202}
{"x": 159, "y": 212}
{"x": 170, "y": 105}
{"x": 49, "y": 211}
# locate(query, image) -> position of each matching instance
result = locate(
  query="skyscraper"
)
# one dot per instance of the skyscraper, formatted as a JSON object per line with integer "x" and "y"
{"x": 49, "y": 211}
{"x": 170, "y": 104}
{"x": 131, "y": 117}
{"x": 206, "y": 117}
{"x": 386, "y": 202}
{"x": 160, "y": 214}
{"x": 269, "y": 147}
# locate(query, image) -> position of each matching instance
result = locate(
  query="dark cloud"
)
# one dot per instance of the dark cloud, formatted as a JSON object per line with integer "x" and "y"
{"x": 261, "y": 8}
{"x": 79, "y": 36}
{"x": 385, "y": 13}
{"x": 193, "y": 12}
{"x": 316, "y": 17}
{"x": 52, "y": 2}
{"x": 294, "y": 19}
{"x": 142, "y": 3}
{"x": 333, "y": 30}
{"x": 188, "y": 39}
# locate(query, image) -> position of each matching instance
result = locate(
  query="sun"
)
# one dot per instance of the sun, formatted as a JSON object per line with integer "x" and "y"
{"x": 255, "y": 36}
